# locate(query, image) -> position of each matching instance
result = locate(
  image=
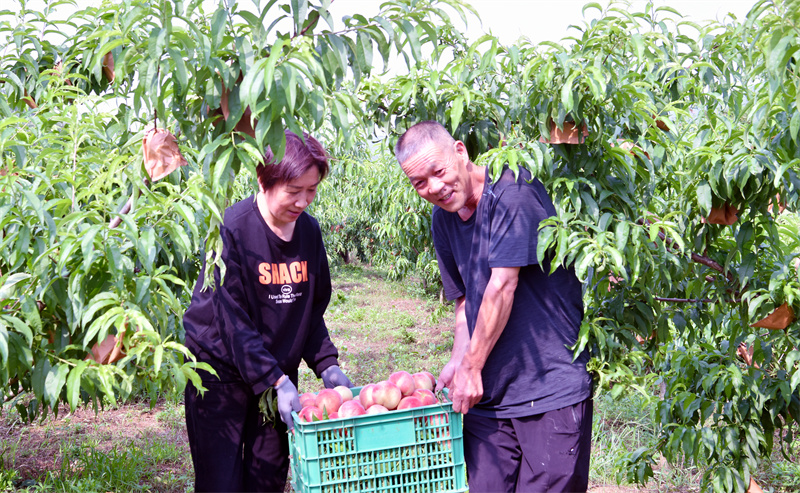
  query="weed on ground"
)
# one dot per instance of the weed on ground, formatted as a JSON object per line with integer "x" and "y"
{"x": 379, "y": 327}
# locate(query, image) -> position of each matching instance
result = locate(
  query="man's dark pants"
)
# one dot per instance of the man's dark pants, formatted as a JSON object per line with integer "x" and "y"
{"x": 231, "y": 449}
{"x": 546, "y": 452}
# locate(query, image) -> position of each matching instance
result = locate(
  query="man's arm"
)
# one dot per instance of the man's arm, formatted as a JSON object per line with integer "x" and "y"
{"x": 467, "y": 384}
{"x": 460, "y": 345}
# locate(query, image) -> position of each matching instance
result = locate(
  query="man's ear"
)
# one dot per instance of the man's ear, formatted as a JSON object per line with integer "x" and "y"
{"x": 461, "y": 149}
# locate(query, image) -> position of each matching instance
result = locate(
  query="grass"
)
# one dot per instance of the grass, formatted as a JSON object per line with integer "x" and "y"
{"x": 622, "y": 426}
{"x": 379, "y": 327}
{"x": 129, "y": 448}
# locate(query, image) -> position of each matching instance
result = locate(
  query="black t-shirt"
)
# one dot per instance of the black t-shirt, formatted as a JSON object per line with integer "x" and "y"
{"x": 268, "y": 314}
{"x": 530, "y": 370}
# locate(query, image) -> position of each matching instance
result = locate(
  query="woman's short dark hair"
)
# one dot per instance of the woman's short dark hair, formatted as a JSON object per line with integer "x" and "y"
{"x": 299, "y": 157}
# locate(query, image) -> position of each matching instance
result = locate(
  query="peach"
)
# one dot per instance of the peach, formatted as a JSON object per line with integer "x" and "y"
{"x": 351, "y": 408}
{"x": 424, "y": 380}
{"x": 343, "y": 391}
{"x": 310, "y": 413}
{"x": 377, "y": 409}
{"x": 425, "y": 396}
{"x": 404, "y": 381}
{"x": 387, "y": 394}
{"x": 328, "y": 400}
{"x": 308, "y": 399}
{"x": 367, "y": 395}
{"x": 409, "y": 402}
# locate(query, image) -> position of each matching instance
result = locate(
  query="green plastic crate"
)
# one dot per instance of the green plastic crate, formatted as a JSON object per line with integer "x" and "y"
{"x": 413, "y": 450}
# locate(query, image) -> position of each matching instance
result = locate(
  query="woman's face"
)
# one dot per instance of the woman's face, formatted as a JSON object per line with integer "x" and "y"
{"x": 286, "y": 201}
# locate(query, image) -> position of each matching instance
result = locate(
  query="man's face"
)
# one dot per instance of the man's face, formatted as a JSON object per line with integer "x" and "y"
{"x": 438, "y": 173}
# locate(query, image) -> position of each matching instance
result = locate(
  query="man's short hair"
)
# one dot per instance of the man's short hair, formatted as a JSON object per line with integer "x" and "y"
{"x": 418, "y": 136}
{"x": 298, "y": 158}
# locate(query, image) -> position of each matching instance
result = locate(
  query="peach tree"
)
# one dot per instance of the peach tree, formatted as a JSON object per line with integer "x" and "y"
{"x": 670, "y": 148}
{"x": 92, "y": 247}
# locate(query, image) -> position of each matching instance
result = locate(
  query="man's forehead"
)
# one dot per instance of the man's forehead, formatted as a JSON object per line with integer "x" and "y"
{"x": 427, "y": 154}
{"x": 420, "y": 164}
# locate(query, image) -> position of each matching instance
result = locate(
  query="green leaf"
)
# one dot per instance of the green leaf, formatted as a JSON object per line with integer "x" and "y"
{"x": 97, "y": 303}
{"x": 147, "y": 248}
{"x": 269, "y": 68}
{"x": 364, "y": 52}
{"x": 156, "y": 43}
{"x": 7, "y": 289}
{"x": 74, "y": 384}
{"x": 617, "y": 258}
{"x": 747, "y": 268}
{"x": 621, "y": 234}
{"x": 3, "y": 343}
{"x": 567, "y": 98}
{"x": 218, "y": 26}
{"x": 413, "y": 38}
{"x": 253, "y": 84}
{"x": 704, "y": 197}
{"x": 794, "y": 125}
{"x": 181, "y": 74}
{"x": 455, "y": 111}
{"x": 544, "y": 242}
{"x": 299, "y": 13}
{"x": 158, "y": 354}
{"x": 31, "y": 311}
{"x": 591, "y": 5}
{"x": 54, "y": 382}
{"x": 638, "y": 45}
{"x": 795, "y": 382}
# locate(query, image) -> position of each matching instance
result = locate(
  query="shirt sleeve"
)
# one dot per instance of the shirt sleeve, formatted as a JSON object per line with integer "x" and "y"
{"x": 448, "y": 266}
{"x": 243, "y": 341}
{"x": 514, "y": 230}
{"x": 319, "y": 352}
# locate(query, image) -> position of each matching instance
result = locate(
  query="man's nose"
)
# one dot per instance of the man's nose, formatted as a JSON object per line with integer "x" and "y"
{"x": 435, "y": 185}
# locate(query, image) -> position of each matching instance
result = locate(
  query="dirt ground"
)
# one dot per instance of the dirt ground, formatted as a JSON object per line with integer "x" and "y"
{"x": 394, "y": 321}
{"x": 39, "y": 446}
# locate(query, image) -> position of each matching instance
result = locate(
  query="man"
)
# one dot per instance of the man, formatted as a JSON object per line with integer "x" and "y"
{"x": 527, "y": 405}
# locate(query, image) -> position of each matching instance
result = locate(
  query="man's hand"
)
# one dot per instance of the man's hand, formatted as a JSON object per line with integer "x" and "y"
{"x": 498, "y": 298}
{"x": 288, "y": 400}
{"x": 466, "y": 388}
{"x": 333, "y": 376}
{"x": 445, "y": 378}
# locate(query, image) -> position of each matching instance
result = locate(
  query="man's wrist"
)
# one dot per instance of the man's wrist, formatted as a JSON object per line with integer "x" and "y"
{"x": 280, "y": 381}
{"x": 472, "y": 362}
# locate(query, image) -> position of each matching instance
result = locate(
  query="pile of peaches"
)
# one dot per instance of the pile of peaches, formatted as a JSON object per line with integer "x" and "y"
{"x": 402, "y": 390}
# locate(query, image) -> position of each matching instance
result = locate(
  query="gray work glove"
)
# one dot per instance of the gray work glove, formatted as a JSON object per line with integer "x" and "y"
{"x": 288, "y": 401}
{"x": 333, "y": 376}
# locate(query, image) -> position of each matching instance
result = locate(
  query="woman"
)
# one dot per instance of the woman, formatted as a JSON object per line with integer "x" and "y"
{"x": 254, "y": 328}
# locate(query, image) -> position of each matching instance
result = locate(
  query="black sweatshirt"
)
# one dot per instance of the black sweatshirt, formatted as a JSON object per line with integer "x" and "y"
{"x": 268, "y": 313}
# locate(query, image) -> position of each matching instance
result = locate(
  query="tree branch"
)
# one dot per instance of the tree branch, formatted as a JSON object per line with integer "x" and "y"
{"x": 700, "y": 259}
{"x": 683, "y": 300}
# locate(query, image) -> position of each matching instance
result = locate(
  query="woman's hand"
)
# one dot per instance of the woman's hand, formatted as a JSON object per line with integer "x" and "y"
{"x": 333, "y": 376}
{"x": 288, "y": 400}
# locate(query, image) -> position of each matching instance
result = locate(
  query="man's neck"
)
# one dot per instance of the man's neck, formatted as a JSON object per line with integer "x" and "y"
{"x": 477, "y": 179}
